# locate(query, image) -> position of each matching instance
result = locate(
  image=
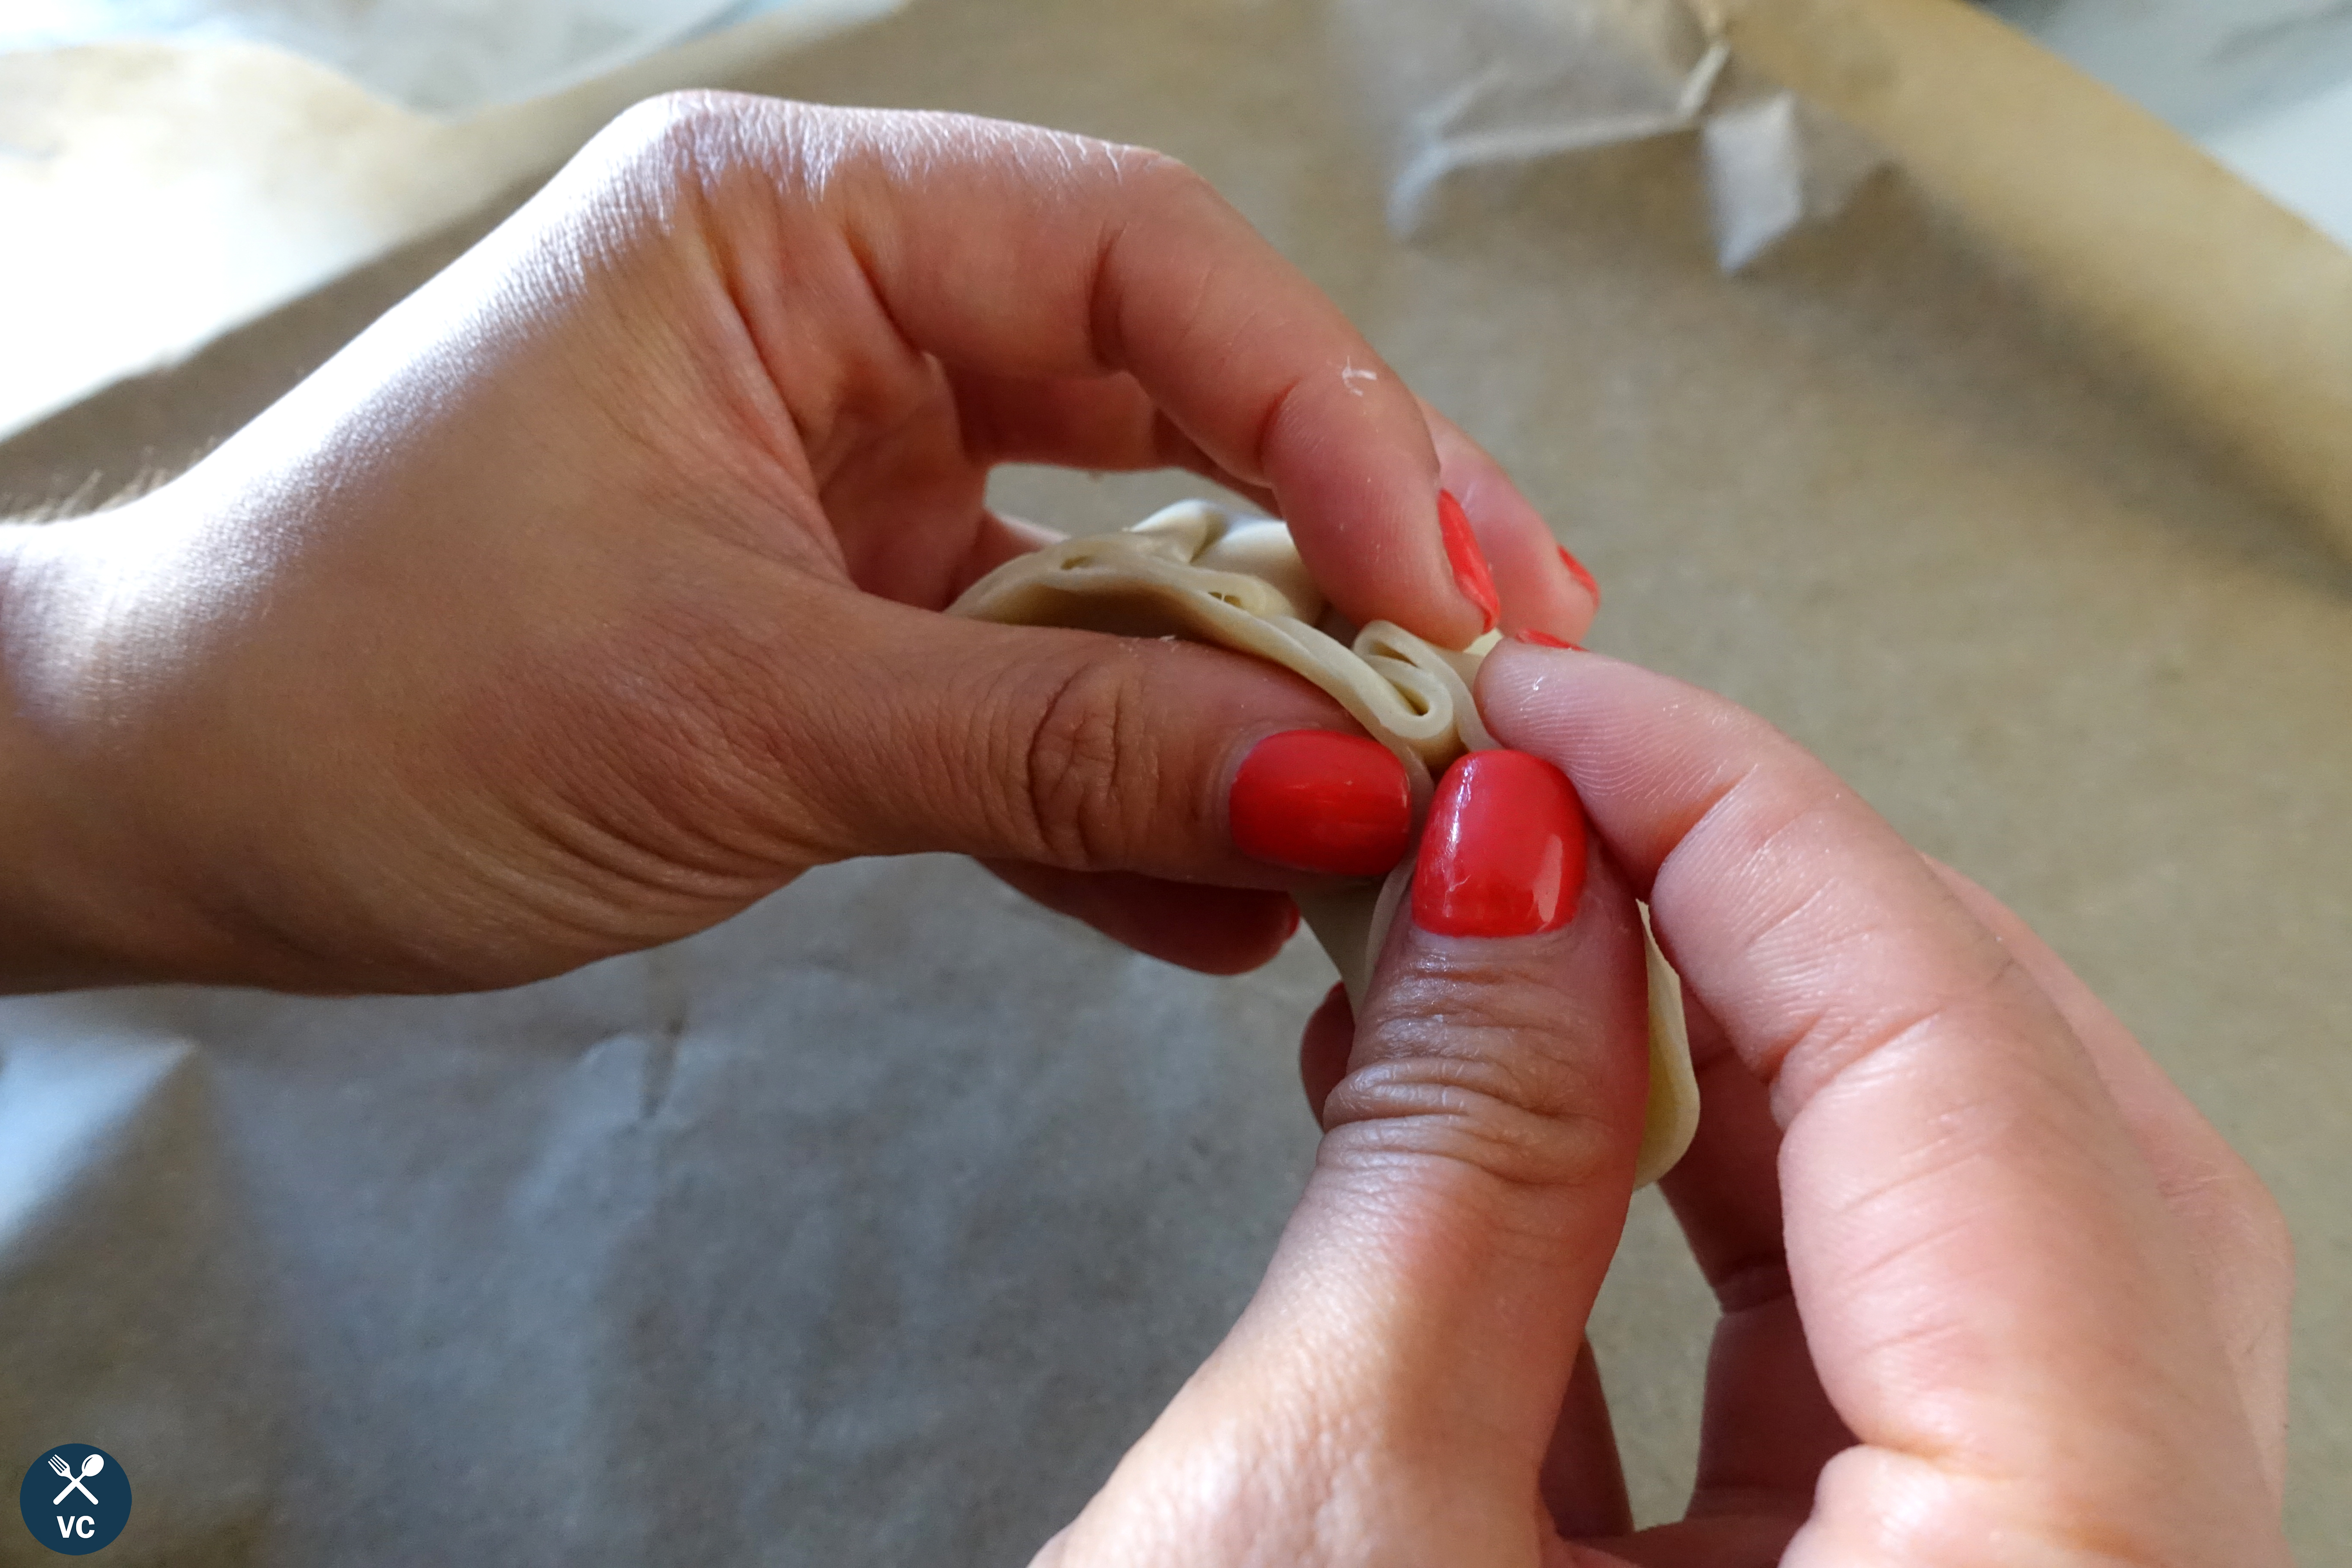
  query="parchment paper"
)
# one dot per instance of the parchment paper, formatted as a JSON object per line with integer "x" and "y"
{"x": 441, "y": 57}
{"x": 1485, "y": 83}
{"x": 869, "y": 1228}
{"x": 2233, "y": 312}
{"x": 156, "y": 194}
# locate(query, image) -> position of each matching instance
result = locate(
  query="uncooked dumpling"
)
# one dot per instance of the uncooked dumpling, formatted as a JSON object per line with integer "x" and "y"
{"x": 1197, "y": 570}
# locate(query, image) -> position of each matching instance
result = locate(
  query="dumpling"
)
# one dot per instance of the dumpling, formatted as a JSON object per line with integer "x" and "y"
{"x": 1197, "y": 570}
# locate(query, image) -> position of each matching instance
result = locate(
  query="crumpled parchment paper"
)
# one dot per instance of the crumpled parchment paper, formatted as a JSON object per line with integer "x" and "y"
{"x": 1486, "y": 83}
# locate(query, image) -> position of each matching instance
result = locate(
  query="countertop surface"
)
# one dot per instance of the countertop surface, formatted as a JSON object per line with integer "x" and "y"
{"x": 869, "y": 1226}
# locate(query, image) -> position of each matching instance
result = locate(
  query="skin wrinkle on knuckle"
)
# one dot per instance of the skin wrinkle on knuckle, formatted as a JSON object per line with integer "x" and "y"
{"x": 1280, "y": 410}
{"x": 1695, "y": 810}
{"x": 2230, "y": 1199}
{"x": 2004, "y": 1123}
{"x": 1131, "y": 169}
{"x": 1816, "y": 1046}
{"x": 1153, "y": 180}
{"x": 661, "y": 240}
{"x": 2244, "y": 1256}
{"x": 1754, "y": 824}
{"x": 1930, "y": 1234}
{"x": 1471, "y": 1056}
{"x": 1474, "y": 1094}
{"x": 677, "y": 143}
{"x": 1742, "y": 815}
{"x": 1086, "y": 773}
{"x": 1821, "y": 1046}
{"x": 1154, "y": 190}
{"x": 2211, "y": 1191}
{"x": 692, "y": 739}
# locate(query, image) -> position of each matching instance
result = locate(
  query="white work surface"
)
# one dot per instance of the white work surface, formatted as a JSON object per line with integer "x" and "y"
{"x": 870, "y": 1227}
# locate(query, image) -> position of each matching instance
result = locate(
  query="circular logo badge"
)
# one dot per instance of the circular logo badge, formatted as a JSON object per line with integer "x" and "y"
{"x": 76, "y": 1499}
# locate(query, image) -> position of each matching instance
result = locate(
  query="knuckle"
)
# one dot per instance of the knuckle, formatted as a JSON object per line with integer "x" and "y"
{"x": 1157, "y": 174}
{"x": 2256, "y": 1227}
{"x": 2238, "y": 1227}
{"x": 678, "y": 125}
{"x": 1156, "y": 185}
{"x": 1086, "y": 770}
{"x": 1490, "y": 1070}
{"x": 675, "y": 145}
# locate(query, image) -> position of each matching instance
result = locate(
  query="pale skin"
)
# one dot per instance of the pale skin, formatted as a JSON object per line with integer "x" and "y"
{"x": 592, "y": 595}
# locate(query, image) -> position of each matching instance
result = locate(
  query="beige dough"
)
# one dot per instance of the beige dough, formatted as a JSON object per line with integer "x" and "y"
{"x": 1196, "y": 571}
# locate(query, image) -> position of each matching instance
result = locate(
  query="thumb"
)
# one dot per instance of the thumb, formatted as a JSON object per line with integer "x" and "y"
{"x": 1087, "y": 752}
{"x": 1400, "y": 1372}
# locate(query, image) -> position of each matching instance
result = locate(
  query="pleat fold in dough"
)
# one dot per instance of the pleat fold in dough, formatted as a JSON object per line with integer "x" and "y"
{"x": 1198, "y": 572}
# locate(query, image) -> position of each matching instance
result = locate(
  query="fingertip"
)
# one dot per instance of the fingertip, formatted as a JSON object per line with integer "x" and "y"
{"x": 1504, "y": 852}
{"x": 1233, "y": 931}
{"x": 1650, "y": 754}
{"x": 1324, "y": 1046}
{"x": 1542, "y": 587}
{"x": 1472, "y": 576}
{"x": 1324, "y": 802}
{"x": 1208, "y": 930}
{"x": 1582, "y": 575}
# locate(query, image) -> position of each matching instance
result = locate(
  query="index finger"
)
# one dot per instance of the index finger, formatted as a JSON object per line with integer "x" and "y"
{"x": 1998, "y": 1304}
{"x": 1015, "y": 252}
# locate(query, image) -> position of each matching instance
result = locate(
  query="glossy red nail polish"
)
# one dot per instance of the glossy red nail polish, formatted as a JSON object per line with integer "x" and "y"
{"x": 1502, "y": 854}
{"x": 1471, "y": 572}
{"x": 1312, "y": 800}
{"x": 1575, "y": 570}
{"x": 1544, "y": 639}
{"x": 1290, "y": 922}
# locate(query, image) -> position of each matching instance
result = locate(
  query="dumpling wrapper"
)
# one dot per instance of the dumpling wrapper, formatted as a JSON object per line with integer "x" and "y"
{"x": 1198, "y": 572}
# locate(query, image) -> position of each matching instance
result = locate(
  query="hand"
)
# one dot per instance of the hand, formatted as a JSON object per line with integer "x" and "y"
{"x": 588, "y": 596}
{"x": 1992, "y": 1292}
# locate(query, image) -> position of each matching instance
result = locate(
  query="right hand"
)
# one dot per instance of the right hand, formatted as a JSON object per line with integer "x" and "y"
{"x": 1992, "y": 1292}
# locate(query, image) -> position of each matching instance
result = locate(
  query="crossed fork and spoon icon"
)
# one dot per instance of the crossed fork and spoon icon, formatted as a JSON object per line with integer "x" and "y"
{"x": 90, "y": 1467}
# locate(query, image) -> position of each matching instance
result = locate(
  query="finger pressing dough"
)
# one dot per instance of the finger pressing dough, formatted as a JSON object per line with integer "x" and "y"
{"x": 1198, "y": 572}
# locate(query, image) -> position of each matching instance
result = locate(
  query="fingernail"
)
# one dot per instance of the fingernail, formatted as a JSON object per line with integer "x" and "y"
{"x": 1584, "y": 578}
{"x": 1504, "y": 851}
{"x": 1470, "y": 574}
{"x": 1290, "y": 922}
{"x": 1313, "y": 800}
{"x": 1544, "y": 639}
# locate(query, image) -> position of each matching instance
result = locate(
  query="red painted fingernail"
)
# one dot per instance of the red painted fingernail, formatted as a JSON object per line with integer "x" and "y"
{"x": 1544, "y": 639}
{"x": 1316, "y": 801}
{"x": 1470, "y": 574}
{"x": 1504, "y": 851}
{"x": 1289, "y": 923}
{"x": 1584, "y": 579}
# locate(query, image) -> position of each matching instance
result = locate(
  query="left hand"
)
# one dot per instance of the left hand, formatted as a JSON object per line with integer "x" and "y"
{"x": 590, "y": 594}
